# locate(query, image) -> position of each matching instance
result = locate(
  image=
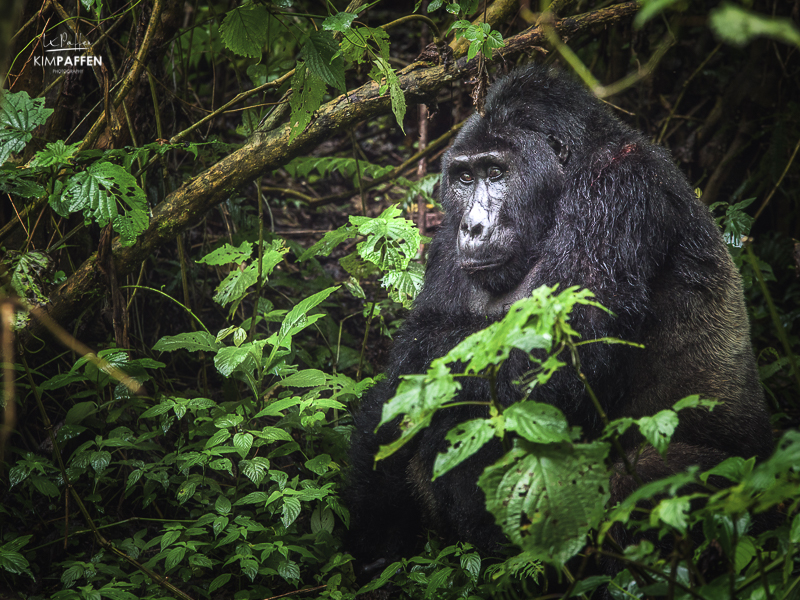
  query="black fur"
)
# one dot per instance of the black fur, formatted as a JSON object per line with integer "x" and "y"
{"x": 548, "y": 187}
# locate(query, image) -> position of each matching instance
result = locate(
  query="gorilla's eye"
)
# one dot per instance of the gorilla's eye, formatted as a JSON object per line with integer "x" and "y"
{"x": 560, "y": 148}
{"x": 555, "y": 143}
{"x": 495, "y": 173}
{"x": 465, "y": 177}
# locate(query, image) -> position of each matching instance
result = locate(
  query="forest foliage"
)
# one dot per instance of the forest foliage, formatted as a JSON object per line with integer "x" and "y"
{"x": 211, "y": 226}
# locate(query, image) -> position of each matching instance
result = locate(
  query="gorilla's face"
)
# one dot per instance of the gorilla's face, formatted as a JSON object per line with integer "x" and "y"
{"x": 501, "y": 184}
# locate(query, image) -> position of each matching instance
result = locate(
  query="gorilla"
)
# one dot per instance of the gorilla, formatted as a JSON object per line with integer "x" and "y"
{"x": 548, "y": 187}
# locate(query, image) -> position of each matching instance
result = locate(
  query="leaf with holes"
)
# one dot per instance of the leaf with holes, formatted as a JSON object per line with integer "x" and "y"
{"x": 105, "y": 193}
{"x": 465, "y": 439}
{"x": 546, "y": 497}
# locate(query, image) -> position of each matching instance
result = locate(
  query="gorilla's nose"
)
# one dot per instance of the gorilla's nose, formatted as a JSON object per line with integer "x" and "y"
{"x": 476, "y": 229}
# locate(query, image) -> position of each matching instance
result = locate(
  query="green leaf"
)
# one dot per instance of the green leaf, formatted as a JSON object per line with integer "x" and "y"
{"x": 419, "y": 395}
{"x": 218, "y": 582}
{"x": 55, "y": 154}
{"x": 297, "y": 319}
{"x": 244, "y": 30}
{"x": 392, "y": 84}
{"x": 231, "y": 358}
{"x": 307, "y": 92}
{"x": 340, "y": 22}
{"x": 305, "y": 378}
{"x": 537, "y": 422}
{"x": 19, "y": 116}
{"x": 392, "y": 241}
{"x": 319, "y": 53}
{"x": 253, "y": 498}
{"x": 168, "y": 538}
{"x": 220, "y": 436}
{"x": 228, "y": 254}
{"x": 329, "y": 241}
{"x": 738, "y": 26}
{"x": 44, "y": 486}
{"x": 79, "y": 412}
{"x": 106, "y": 193}
{"x": 290, "y": 511}
{"x": 174, "y": 557}
{"x": 243, "y": 442}
{"x": 219, "y": 524}
{"x": 320, "y": 464}
{"x": 465, "y": 439}
{"x": 658, "y": 429}
{"x": 255, "y": 470}
{"x": 672, "y": 511}
{"x": 194, "y": 341}
{"x": 222, "y": 505}
{"x": 547, "y": 497}
{"x": 100, "y": 460}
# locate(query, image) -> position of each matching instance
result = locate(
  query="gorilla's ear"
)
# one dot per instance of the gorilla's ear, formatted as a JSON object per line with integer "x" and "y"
{"x": 560, "y": 148}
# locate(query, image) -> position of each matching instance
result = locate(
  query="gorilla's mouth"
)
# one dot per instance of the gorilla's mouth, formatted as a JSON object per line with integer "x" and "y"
{"x": 475, "y": 265}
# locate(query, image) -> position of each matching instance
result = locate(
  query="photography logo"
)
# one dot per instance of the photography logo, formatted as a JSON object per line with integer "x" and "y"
{"x": 66, "y": 53}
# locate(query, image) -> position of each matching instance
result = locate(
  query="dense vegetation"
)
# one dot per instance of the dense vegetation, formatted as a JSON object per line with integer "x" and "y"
{"x": 210, "y": 232}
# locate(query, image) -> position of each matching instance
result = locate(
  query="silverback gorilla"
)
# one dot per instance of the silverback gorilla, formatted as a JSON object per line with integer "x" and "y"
{"x": 548, "y": 187}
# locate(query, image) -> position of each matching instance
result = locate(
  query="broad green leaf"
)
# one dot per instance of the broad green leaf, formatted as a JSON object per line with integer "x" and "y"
{"x": 659, "y": 428}
{"x": 79, "y": 412}
{"x": 44, "y": 485}
{"x": 186, "y": 491}
{"x": 290, "y": 511}
{"x": 256, "y": 469}
{"x": 383, "y": 74}
{"x": 215, "y": 440}
{"x": 297, "y": 319}
{"x": 228, "y": 254}
{"x": 465, "y": 439}
{"x": 547, "y": 497}
{"x": 174, "y": 557}
{"x": 222, "y": 505}
{"x": 320, "y": 464}
{"x": 243, "y": 442}
{"x": 100, "y": 460}
{"x": 329, "y": 241}
{"x": 361, "y": 44}
{"x": 19, "y": 116}
{"x": 673, "y": 512}
{"x": 537, "y": 422}
{"x": 219, "y": 524}
{"x": 55, "y": 154}
{"x": 307, "y": 92}
{"x": 340, "y": 22}
{"x": 231, "y": 358}
{"x": 249, "y": 568}
{"x": 218, "y": 582}
{"x": 405, "y": 286}
{"x": 168, "y": 538}
{"x": 194, "y": 341}
{"x": 320, "y": 56}
{"x": 289, "y": 570}
{"x": 305, "y": 378}
{"x": 244, "y": 30}
{"x": 419, "y": 395}
{"x": 253, "y": 498}
{"x": 106, "y": 193}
